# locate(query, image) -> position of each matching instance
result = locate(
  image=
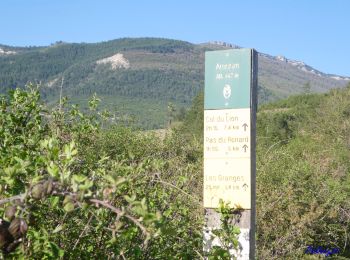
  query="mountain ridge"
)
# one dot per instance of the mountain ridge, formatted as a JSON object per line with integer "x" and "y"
{"x": 300, "y": 64}
{"x": 8, "y": 50}
{"x": 155, "y": 70}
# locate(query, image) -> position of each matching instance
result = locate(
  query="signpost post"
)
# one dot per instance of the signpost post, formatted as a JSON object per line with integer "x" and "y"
{"x": 230, "y": 103}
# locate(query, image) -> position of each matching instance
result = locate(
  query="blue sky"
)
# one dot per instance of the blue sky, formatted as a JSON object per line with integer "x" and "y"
{"x": 314, "y": 31}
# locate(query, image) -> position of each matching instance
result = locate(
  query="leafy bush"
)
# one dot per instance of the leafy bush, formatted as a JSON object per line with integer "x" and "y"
{"x": 78, "y": 190}
{"x": 71, "y": 187}
{"x": 303, "y": 175}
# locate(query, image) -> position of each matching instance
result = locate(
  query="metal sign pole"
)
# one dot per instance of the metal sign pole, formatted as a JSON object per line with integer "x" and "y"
{"x": 229, "y": 143}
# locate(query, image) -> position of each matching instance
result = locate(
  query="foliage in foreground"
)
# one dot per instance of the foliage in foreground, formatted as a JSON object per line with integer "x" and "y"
{"x": 303, "y": 174}
{"x": 88, "y": 192}
{"x": 120, "y": 193}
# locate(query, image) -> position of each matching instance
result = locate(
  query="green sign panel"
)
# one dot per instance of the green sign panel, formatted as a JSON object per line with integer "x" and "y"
{"x": 228, "y": 79}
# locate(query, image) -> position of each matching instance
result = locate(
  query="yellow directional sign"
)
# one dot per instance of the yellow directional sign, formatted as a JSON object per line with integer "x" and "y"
{"x": 227, "y": 133}
{"x": 229, "y": 128}
{"x": 227, "y": 179}
{"x": 227, "y": 157}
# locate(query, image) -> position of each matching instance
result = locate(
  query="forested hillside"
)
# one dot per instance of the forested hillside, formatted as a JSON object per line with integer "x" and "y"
{"x": 148, "y": 71}
{"x": 73, "y": 186}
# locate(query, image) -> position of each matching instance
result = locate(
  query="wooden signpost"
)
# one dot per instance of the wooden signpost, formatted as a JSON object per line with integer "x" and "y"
{"x": 230, "y": 103}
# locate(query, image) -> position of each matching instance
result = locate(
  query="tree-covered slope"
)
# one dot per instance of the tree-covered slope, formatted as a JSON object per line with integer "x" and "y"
{"x": 154, "y": 70}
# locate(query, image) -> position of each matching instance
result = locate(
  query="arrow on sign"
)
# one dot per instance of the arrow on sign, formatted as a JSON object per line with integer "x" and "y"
{"x": 245, "y": 147}
{"x": 245, "y": 186}
{"x": 245, "y": 126}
